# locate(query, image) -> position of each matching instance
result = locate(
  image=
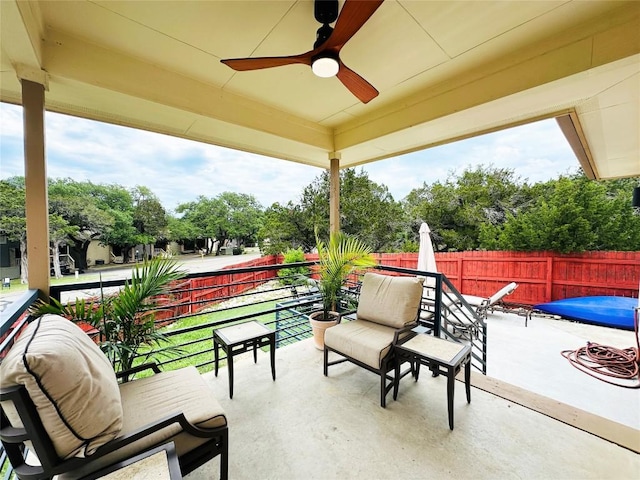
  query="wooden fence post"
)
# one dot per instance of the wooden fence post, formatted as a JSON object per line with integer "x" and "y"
{"x": 191, "y": 295}
{"x": 549, "y": 280}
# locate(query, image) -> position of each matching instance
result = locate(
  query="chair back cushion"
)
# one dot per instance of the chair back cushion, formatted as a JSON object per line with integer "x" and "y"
{"x": 390, "y": 301}
{"x": 71, "y": 383}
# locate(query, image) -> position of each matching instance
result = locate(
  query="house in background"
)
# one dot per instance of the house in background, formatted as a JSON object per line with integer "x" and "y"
{"x": 9, "y": 258}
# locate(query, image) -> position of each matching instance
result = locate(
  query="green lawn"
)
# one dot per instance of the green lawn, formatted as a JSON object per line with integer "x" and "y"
{"x": 202, "y": 346}
{"x": 200, "y": 343}
{"x": 16, "y": 286}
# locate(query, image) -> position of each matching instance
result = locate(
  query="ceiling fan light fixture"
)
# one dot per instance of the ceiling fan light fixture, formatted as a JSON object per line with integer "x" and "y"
{"x": 325, "y": 66}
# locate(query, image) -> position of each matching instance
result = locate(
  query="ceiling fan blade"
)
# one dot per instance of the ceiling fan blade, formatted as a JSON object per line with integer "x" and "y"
{"x": 258, "y": 63}
{"x": 356, "y": 84}
{"x": 353, "y": 16}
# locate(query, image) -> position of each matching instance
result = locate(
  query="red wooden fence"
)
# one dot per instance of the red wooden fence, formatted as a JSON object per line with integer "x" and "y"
{"x": 194, "y": 294}
{"x": 541, "y": 276}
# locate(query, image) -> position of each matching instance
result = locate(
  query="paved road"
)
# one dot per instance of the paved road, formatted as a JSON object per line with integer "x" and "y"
{"x": 191, "y": 263}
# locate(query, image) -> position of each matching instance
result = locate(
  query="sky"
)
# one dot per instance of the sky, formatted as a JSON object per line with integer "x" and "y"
{"x": 178, "y": 170}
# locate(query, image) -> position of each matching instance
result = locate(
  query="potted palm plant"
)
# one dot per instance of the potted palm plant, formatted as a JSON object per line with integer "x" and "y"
{"x": 337, "y": 260}
{"x": 125, "y": 320}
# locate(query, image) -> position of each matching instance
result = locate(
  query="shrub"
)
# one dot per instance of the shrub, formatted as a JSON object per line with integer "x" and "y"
{"x": 410, "y": 246}
{"x": 293, "y": 275}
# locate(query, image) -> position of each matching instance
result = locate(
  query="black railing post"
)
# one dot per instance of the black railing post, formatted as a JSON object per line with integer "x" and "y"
{"x": 447, "y": 302}
{"x": 438, "y": 306}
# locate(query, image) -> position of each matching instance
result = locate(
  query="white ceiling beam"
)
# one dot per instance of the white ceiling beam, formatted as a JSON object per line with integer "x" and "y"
{"x": 22, "y": 31}
{"x": 71, "y": 58}
{"x": 571, "y": 52}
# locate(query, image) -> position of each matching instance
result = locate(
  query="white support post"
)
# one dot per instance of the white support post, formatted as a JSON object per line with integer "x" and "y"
{"x": 334, "y": 193}
{"x": 37, "y": 202}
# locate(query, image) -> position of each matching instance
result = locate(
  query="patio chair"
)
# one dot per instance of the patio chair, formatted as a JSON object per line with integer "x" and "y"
{"x": 457, "y": 318}
{"x": 387, "y": 311}
{"x": 482, "y": 305}
{"x": 60, "y": 398}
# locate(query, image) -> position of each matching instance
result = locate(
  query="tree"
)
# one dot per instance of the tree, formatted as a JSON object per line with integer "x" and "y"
{"x": 60, "y": 232}
{"x": 122, "y": 234}
{"x": 13, "y": 221}
{"x": 198, "y": 219}
{"x": 286, "y": 227}
{"x": 367, "y": 210}
{"x": 149, "y": 217}
{"x": 180, "y": 230}
{"x": 85, "y": 206}
{"x": 457, "y": 209}
{"x": 571, "y": 214}
{"x": 227, "y": 216}
{"x": 244, "y": 216}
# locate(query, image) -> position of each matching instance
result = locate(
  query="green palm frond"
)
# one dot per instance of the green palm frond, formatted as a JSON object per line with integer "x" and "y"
{"x": 337, "y": 260}
{"x": 82, "y": 310}
{"x": 126, "y": 319}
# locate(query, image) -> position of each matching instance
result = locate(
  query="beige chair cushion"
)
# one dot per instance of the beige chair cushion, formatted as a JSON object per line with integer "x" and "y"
{"x": 390, "y": 301}
{"x": 71, "y": 383}
{"x": 365, "y": 341}
{"x": 153, "y": 398}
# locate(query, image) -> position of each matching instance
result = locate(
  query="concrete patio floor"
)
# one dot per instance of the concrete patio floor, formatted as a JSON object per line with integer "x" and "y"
{"x": 307, "y": 426}
{"x": 529, "y": 357}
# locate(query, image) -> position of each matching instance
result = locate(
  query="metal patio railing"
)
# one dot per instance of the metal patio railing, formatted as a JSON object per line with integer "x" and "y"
{"x": 204, "y": 301}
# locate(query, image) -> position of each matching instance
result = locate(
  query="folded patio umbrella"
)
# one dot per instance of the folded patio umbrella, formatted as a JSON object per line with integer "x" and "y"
{"x": 426, "y": 256}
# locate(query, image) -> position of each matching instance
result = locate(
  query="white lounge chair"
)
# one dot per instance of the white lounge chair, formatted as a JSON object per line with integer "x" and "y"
{"x": 482, "y": 305}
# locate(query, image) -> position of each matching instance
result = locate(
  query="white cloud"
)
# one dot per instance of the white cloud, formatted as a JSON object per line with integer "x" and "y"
{"x": 179, "y": 170}
{"x": 176, "y": 170}
{"x": 535, "y": 152}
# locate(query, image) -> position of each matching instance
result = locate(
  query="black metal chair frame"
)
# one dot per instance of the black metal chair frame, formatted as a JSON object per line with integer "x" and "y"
{"x": 387, "y": 365}
{"x": 13, "y": 440}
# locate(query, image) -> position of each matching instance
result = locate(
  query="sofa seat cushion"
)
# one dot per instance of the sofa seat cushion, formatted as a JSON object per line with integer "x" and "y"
{"x": 149, "y": 399}
{"x": 70, "y": 382}
{"x": 390, "y": 301}
{"x": 367, "y": 342}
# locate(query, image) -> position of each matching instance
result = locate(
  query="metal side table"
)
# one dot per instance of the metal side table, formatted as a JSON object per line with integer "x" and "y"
{"x": 159, "y": 463}
{"x": 238, "y": 339}
{"x": 441, "y": 356}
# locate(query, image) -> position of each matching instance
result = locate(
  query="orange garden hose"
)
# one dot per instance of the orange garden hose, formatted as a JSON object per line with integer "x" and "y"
{"x": 604, "y": 362}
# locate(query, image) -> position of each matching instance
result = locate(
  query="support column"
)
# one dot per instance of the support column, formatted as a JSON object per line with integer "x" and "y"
{"x": 334, "y": 193}
{"x": 35, "y": 173}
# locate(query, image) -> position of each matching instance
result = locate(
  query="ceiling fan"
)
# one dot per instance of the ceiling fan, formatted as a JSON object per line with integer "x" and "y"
{"x": 324, "y": 59}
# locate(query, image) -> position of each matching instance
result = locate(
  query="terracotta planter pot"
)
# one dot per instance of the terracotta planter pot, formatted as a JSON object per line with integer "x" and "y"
{"x": 319, "y": 326}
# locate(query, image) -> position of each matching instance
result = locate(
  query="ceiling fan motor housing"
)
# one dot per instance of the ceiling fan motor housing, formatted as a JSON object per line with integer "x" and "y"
{"x": 323, "y": 33}
{"x": 326, "y": 11}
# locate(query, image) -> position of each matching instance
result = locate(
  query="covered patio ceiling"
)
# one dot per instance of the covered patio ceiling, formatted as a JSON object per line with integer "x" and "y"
{"x": 445, "y": 70}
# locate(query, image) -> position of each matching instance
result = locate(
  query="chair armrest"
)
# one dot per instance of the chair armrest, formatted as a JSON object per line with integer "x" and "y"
{"x": 408, "y": 329}
{"x": 140, "y": 368}
{"x": 148, "y": 429}
{"x": 344, "y": 314}
{"x": 11, "y": 434}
